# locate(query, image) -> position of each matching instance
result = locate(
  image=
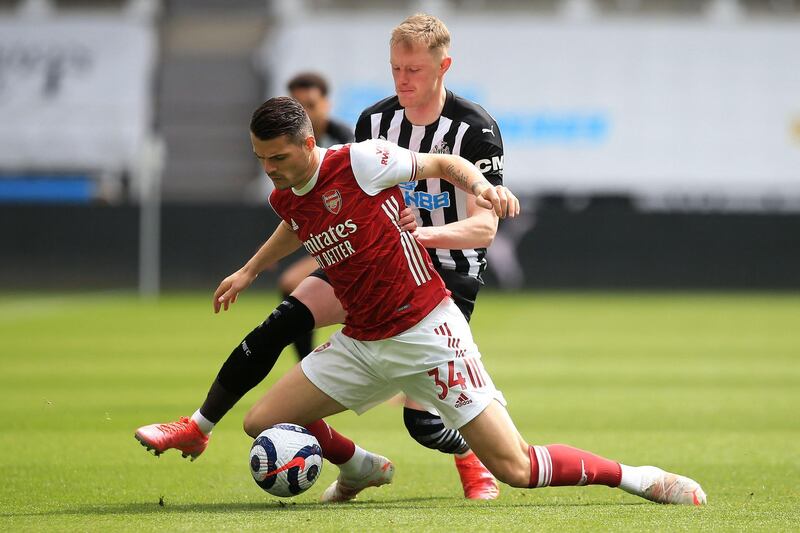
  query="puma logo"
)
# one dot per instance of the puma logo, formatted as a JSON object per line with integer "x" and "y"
{"x": 488, "y": 130}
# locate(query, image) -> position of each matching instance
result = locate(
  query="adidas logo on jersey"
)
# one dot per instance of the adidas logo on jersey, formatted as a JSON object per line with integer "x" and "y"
{"x": 295, "y": 227}
{"x": 462, "y": 400}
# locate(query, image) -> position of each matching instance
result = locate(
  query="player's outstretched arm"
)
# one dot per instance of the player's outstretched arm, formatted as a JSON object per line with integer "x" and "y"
{"x": 476, "y": 231}
{"x": 281, "y": 243}
{"x": 467, "y": 177}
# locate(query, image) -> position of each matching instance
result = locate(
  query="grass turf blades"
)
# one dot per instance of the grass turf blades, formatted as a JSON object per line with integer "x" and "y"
{"x": 706, "y": 385}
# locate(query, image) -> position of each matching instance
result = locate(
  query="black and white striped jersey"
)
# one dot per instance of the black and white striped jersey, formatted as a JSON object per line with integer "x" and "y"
{"x": 464, "y": 128}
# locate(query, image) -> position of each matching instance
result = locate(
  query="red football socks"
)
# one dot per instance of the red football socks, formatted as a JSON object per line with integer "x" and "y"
{"x": 336, "y": 448}
{"x": 558, "y": 465}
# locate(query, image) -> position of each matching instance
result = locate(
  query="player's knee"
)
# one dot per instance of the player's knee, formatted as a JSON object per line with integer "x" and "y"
{"x": 429, "y": 430}
{"x": 253, "y": 423}
{"x": 414, "y": 421}
{"x": 256, "y": 420}
{"x": 247, "y": 425}
{"x": 254, "y": 357}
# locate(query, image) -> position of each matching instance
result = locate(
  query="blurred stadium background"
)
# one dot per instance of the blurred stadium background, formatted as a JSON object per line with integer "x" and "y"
{"x": 655, "y": 143}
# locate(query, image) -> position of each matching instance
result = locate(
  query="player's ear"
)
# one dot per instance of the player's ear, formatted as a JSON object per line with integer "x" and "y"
{"x": 444, "y": 66}
{"x": 310, "y": 142}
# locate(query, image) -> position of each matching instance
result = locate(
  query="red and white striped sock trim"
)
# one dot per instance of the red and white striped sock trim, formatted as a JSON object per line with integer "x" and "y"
{"x": 542, "y": 475}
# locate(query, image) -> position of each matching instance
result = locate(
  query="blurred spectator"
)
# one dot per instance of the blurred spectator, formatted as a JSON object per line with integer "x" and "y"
{"x": 311, "y": 90}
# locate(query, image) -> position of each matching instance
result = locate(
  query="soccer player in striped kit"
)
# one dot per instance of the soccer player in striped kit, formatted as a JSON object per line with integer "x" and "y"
{"x": 425, "y": 117}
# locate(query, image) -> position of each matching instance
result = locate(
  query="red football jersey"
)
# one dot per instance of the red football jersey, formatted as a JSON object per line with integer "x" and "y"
{"x": 347, "y": 217}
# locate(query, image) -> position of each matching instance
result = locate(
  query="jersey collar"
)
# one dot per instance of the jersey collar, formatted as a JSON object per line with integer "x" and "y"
{"x": 449, "y": 102}
{"x": 305, "y": 189}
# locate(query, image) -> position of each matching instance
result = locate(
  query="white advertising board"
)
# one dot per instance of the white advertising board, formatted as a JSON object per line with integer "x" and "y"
{"x": 652, "y": 108}
{"x": 75, "y": 93}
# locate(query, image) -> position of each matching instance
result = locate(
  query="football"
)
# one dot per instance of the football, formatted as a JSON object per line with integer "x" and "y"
{"x": 285, "y": 460}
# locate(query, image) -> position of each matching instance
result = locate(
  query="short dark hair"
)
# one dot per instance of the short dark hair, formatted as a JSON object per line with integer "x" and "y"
{"x": 308, "y": 80}
{"x": 278, "y": 116}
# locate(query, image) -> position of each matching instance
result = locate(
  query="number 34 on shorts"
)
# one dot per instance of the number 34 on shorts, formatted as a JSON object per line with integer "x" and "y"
{"x": 455, "y": 374}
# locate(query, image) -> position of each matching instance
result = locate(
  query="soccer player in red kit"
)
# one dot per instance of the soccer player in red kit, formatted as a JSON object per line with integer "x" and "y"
{"x": 422, "y": 116}
{"x": 402, "y": 331}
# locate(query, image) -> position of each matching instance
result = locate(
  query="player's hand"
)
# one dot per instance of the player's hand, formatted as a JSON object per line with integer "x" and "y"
{"x": 407, "y": 222}
{"x": 499, "y": 199}
{"x": 422, "y": 235}
{"x": 229, "y": 289}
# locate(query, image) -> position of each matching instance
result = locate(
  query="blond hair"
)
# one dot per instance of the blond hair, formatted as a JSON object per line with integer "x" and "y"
{"x": 422, "y": 28}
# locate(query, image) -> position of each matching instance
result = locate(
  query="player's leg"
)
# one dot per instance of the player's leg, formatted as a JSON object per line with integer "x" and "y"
{"x": 288, "y": 282}
{"x": 316, "y": 293}
{"x": 293, "y": 399}
{"x": 462, "y": 392}
{"x": 313, "y": 304}
{"x": 497, "y": 442}
{"x": 335, "y": 372}
{"x": 428, "y": 428}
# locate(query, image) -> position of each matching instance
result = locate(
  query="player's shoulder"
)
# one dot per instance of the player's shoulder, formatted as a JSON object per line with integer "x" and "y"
{"x": 483, "y": 132}
{"x": 377, "y": 154}
{"x": 336, "y": 153}
{"x": 367, "y": 149}
{"x": 466, "y": 110}
{"x": 358, "y": 155}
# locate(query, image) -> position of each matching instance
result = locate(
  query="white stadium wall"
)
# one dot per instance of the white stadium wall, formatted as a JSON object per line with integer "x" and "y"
{"x": 75, "y": 92}
{"x": 651, "y": 108}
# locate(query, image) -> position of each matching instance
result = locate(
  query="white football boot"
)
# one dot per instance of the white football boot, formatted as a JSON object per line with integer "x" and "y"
{"x": 665, "y": 487}
{"x": 379, "y": 472}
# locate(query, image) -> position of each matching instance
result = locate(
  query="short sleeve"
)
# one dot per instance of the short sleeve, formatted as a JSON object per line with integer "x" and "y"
{"x": 378, "y": 165}
{"x": 484, "y": 149}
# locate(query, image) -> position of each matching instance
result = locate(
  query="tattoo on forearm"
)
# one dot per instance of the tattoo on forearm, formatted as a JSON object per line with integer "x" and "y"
{"x": 460, "y": 178}
{"x": 420, "y": 168}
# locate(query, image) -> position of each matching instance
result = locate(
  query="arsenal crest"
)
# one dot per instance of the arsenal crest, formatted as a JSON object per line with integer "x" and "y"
{"x": 332, "y": 201}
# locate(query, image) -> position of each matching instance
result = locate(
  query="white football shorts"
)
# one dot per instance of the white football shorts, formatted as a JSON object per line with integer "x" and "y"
{"x": 435, "y": 363}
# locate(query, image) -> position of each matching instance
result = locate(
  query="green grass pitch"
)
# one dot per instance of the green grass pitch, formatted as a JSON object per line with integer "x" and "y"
{"x": 704, "y": 384}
